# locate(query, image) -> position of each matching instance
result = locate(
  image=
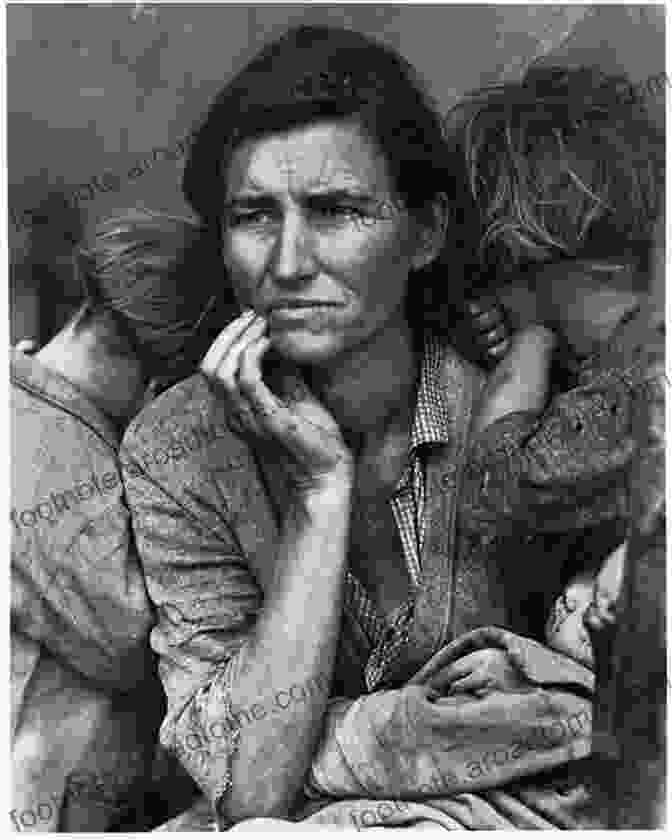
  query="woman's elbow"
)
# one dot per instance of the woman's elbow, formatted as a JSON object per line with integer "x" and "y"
{"x": 246, "y": 805}
{"x": 274, "y": 795}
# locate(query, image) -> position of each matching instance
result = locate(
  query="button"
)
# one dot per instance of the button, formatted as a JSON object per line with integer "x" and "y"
{"x": 498, "y": 334}
{"x": 447, "y": 480}
{"x": 500, "y": 350}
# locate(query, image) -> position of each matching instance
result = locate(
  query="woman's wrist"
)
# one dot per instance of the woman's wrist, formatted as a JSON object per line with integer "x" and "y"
{"x": 325, "y": 497}
{"x": 329, "y": 490}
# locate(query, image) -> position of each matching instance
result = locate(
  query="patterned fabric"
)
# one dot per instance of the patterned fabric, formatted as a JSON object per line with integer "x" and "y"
{"x": 431, "y": 424}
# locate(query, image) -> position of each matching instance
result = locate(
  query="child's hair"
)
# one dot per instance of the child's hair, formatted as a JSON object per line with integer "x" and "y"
{"x": 564, "y": 164}
{"x": 158, "y": 276}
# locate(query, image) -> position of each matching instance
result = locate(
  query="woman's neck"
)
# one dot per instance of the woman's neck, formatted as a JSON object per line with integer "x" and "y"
{"x": 114, "y": 384}
{"x": 372, "y": 387}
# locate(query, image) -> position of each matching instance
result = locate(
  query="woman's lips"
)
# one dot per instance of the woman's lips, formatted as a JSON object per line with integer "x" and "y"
{"x": 296, "y": 312}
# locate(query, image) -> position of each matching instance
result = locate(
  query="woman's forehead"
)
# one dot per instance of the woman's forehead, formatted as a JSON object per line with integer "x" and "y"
{"x": 324, "y": 157}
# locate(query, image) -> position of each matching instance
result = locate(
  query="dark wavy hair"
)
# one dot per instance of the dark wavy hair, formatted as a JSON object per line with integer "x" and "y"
{"x": 315, "y": 73}
{"x": 564, "y": 164}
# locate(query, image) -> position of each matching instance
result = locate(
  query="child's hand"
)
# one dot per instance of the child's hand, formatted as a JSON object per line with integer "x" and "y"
{"x": 480, "y": 673}
{"x": 483, "y": 333}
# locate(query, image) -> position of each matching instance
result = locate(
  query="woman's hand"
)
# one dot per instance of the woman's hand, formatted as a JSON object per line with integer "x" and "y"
{"x": 314, "y": 454}
{"x": 480, "y": 673}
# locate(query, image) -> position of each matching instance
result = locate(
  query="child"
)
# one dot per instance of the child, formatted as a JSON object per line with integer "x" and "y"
{"x": 568, "y": 178}
{"x": 86, "y": 700}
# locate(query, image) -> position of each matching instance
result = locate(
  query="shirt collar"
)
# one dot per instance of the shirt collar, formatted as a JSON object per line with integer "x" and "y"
{"x": 433, "y": 419}
{"x": 28, "y": 373}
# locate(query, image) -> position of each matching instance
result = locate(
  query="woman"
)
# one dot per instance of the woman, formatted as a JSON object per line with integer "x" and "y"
{"x": 315, "y": 550}
{"x": 86, "y": 701}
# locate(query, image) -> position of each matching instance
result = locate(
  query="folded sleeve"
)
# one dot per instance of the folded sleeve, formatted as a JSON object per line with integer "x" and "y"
{"x": 567, "y": 468}
{"x": 206, "y": 599}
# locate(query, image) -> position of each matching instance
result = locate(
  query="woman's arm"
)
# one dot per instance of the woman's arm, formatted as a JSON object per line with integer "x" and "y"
{"x": 294, "y": 642}
{"x": 227, "y": 663}
{"x": 293, "y": 645}
{"x": 247, "y": 698}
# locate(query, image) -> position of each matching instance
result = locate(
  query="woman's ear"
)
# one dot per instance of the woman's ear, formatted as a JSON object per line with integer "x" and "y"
{"x": 432, "y": 225}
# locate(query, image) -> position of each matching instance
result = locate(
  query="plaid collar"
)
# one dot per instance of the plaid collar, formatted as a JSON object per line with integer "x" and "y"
{"x": 433, "y": 417}
{"x": 433, "y": 423}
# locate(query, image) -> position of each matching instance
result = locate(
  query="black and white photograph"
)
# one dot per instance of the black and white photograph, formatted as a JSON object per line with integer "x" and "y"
{"x": 351, "y": 318}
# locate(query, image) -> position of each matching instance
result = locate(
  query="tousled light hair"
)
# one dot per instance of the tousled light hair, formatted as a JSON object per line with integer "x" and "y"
{"x": 564, "y": 164}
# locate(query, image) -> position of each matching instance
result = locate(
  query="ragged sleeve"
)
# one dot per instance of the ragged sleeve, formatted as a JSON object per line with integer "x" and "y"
{"x": 205, "y": 595}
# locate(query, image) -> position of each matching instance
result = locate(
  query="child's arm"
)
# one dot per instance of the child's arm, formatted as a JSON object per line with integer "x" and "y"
{"x": 566, "y": 467}
{"x": 520, "y": 381}
{"x": 582, "y": 300}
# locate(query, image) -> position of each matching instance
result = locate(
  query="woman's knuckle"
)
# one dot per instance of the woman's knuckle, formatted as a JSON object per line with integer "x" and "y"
{"x": 246, "y": 379}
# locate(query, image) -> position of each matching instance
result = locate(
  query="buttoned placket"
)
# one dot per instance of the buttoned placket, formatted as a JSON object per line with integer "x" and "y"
{"x": 424, "y": 507}
{"x": 404, "y": 506}
{"x": 444, "y": 464}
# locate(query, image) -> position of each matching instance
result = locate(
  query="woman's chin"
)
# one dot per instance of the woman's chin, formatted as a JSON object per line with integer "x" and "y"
{"x": 305, "y": 348}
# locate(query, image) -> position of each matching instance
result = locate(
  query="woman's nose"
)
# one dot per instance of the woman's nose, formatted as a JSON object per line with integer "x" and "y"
{"x": 293, "y": 260}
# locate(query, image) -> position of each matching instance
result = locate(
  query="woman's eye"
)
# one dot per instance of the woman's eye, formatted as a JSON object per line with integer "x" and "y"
{"x": 338, "y": 213}
{"x": 239, "y": 218}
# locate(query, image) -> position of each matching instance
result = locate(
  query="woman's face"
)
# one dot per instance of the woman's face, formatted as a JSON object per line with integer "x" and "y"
{"x": 315, "y": 239}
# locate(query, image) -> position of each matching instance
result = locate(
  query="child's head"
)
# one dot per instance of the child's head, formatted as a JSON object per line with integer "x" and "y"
{"x": 154, "y": 279}
{"x": 565, "y": 164}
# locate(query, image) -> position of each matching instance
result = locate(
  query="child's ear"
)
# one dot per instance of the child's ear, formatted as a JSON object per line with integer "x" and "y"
{"x": 432, "y": 227}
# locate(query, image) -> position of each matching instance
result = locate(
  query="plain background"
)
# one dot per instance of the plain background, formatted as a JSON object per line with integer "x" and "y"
{"x": 94, "y": 90}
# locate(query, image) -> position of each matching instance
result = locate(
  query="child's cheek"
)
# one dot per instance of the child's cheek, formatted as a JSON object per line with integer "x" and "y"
{"x": 569, "y": 636}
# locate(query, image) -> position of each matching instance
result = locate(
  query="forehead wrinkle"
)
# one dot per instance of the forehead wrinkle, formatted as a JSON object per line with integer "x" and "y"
{"x": 288, "y": 168}
{"x": 249, "y": 186}
{"x": 324, "y": 182}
